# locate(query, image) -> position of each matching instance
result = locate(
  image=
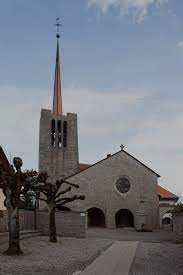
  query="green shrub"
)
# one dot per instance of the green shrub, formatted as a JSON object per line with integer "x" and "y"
{"x": 178, "y": 208}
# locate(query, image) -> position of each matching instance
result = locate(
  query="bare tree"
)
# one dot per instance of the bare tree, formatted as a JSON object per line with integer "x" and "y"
{"x": 53, "y": 197}
{"x": 14, "y": 183}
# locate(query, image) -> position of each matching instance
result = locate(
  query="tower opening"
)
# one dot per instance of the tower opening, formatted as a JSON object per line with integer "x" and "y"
{"x": 65, "y": 134}
{"x": 59, "y": 127}
{"x": 53, "y": 132}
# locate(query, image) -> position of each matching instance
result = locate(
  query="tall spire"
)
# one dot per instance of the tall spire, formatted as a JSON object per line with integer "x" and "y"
{"x": 57, "y": 97}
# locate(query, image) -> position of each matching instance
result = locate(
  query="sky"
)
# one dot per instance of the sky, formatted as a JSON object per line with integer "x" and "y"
{"x": 122, "y": 73}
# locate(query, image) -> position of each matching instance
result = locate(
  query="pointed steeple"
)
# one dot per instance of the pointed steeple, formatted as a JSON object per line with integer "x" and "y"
{"x": 57, "y": 97}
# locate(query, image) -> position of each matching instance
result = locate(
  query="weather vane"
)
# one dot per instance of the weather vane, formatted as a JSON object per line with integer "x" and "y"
{"x": 58, "y": 25}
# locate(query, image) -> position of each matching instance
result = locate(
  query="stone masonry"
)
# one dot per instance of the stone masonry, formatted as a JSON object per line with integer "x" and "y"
{"x": 98, "y": 184}
{"x": 58, "y": 161}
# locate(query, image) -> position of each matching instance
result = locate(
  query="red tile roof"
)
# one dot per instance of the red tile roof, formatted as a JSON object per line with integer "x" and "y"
{"x": 83, "y": 166}
{"x": 163, "y": 193}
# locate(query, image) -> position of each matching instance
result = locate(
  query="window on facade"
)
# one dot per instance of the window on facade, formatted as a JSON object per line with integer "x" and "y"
{"x": 65, "y": 134}
{"x": 59, "y": 127}
{"x": 123, "y": 184}
{"x": 53, "y": 132}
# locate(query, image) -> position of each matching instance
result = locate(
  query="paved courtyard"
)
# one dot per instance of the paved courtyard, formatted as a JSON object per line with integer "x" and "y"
{"x": 158, "y": 259}
{"x": 129, "y": 234}
{"x": 41, "y": 257}
{"x": 156, "y": 253}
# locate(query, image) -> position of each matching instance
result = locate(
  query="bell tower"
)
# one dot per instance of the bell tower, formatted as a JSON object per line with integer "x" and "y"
{"x": 58, "y": 134}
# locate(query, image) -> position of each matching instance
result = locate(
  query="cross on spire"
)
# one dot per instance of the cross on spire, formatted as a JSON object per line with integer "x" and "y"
{"x": 58, "y": 25}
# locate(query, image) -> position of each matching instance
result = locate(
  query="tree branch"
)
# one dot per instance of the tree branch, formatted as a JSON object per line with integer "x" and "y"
{"x": 63, "y": 201}
{"x": 71, "y": 184}
{"x": 63, "y": 192}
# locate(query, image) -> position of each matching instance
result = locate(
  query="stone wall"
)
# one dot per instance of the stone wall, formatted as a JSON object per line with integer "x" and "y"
{"x": 2, "y": 198}
{"x": 178, "y": 226}
{"x": 98, "y": 184}
{"x": 58, "y": 162}
{"x": 69, "y": 224}
{"x": 26, "y": 220}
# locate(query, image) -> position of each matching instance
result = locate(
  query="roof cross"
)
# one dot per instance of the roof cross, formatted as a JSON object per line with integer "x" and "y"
{"x": 122, "y": 147}
{"x": 58, "y": 25}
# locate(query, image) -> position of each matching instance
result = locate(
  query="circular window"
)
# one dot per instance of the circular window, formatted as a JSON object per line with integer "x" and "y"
{"x": 123, "y": 184}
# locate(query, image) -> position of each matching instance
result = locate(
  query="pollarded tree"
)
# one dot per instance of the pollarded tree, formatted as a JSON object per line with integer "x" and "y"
{"x": 53, "y": 198}
{"x": 14, "y": 183}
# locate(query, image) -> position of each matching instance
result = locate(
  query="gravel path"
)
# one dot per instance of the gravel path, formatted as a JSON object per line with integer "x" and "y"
{"x": 41, "y": 257}
{"x": 158, "y": 259}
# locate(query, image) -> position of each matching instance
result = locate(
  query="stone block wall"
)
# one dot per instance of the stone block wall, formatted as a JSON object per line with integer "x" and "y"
{"x": 58, "y": 162}
{"x": 3, "y": 221}
{"x": 26, "y": 220}
{"x": 69, "y": 224}
{"x": 98, "y": 184}
{"x": 178, "y": 226}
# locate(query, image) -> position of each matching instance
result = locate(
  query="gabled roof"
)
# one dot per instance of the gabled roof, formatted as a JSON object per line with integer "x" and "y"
{"x": 165, "y": 194}
{"x": 82, "y": 165}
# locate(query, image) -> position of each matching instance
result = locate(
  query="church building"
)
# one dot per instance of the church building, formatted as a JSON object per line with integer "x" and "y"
{"x": 119, "y": 190}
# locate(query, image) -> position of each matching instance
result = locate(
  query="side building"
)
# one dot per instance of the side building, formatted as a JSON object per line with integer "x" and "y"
{"x": 6, "y": 166}
{"x": 167, "y": 201}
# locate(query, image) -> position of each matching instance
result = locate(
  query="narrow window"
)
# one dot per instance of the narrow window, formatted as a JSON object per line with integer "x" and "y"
{"x": 59, "y": 133}
{"x": 53, "y": 132}
{"x": 65, "y": 134}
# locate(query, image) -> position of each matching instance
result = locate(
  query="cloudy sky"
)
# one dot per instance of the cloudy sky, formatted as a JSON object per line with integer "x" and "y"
{"x": 122, "y": 72}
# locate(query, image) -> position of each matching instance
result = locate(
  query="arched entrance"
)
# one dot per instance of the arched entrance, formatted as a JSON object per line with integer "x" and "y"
{"x": 96, "y": 217}
{"x": 124, "y": 218}
{"x": 166, "y": 221}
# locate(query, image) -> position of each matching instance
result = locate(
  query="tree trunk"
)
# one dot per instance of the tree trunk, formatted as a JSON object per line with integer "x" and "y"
{"x": 52, "y": 225}
{"x": 13, "y": 226}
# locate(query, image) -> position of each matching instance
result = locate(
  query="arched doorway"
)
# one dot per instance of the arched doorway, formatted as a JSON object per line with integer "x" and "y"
{"x": 96, "y": 217}
{"x": 166, "y": 221}
{"x": 124, "y": 218}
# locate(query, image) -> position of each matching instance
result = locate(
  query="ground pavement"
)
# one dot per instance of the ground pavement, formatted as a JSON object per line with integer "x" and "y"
{"x": 156, "y": 252}
{"x": 112, "y": 251}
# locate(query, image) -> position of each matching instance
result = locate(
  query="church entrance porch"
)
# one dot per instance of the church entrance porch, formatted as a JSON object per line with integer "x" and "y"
{"x": 96, "y": 217}
{"x": 124, "y": 218}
